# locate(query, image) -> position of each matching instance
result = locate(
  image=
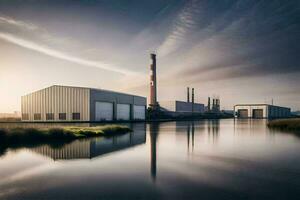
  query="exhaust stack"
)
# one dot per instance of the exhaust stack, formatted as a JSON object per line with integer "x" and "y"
{"x": 188, "y": 94}
{"x": 153, "y": 87}
{"x": 193, "y": 100}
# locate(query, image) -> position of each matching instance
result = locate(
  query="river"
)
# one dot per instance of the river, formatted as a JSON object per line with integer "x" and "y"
{"x": 208, "y": 159}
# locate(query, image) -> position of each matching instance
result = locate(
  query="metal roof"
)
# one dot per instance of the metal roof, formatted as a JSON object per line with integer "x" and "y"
{"x": 259, "y": 104}
{"x": 84, "y": 88}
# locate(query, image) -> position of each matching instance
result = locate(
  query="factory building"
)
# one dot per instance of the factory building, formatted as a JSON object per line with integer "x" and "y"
{"x": 259, "y": 111}
{"x": 181, "y": 106}
{"x": 66, "y": 103}
{"x": 173, "y": 108}
{"x": 188, "y": 106}
{"x": 214, "y": 107}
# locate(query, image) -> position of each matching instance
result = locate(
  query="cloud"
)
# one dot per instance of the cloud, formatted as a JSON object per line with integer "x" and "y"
{"x": 61, "y": 55}
{"x": 32, "y": 37}
{"x": 184, "y": 23}
{"x": 8, "y": 20}
{"x": 241, "y": 42}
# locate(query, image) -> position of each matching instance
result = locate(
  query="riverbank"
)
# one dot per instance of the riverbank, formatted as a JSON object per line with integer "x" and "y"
{"x": 62, "y": 133}
{"x": 285, "y": 124}
{"x": 17, "y": 138}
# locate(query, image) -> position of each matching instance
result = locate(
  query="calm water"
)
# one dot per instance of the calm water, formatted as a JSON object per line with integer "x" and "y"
{"x": 225, "y": 159}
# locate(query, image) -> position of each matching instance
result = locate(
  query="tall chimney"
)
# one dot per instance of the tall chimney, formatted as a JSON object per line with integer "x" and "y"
{"x": 193, "y": 100}
{"x": 153, "y": 93}
{"x": 214, "y": 105}
{"x": 188, "y": 94}
{"x": 208, "y": 104}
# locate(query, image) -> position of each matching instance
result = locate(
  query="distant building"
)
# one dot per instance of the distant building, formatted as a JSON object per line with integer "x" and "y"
{"x": 15, "y": 114}
{"x": 181, "y": 106}
{"x": 66, "y": 103}
{"x": 260, "y": 111}
{"x": 214, "y": 106}
{"x": 297, "y": 113}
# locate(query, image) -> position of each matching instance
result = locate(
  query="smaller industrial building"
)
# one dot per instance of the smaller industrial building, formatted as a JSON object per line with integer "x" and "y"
{"x": 181, "y": 106}
{"x": 67, "y": 103}
{"x": 259, "y": 111}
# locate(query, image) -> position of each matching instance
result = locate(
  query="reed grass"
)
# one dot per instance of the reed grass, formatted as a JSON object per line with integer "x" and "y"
{"x": 61, "y": 133}
{"x": 16, "y": 138}
{"x": 285, "y": 124}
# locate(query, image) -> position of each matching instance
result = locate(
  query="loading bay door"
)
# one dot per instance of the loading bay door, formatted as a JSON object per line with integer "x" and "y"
{"x": 123, "y": 112}
{"x": 243, "y": 113}
{"x": 104, "y": 111}
{"x": 257, "y": 113}
{"x": 139, "y": 112}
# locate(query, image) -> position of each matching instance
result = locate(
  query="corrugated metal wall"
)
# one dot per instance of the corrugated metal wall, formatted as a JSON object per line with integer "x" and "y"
{"x": 57, "y": 99}
{"x": 75, "y": 150}
{"x": 250, "y": 109}
{"x": 98, "y": 95}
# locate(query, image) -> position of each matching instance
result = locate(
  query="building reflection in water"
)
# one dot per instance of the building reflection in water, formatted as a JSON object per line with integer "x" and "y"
{"x": 154, "y": 130}
{"x": 249, "y": 126}
{"x": 90, "y": 148}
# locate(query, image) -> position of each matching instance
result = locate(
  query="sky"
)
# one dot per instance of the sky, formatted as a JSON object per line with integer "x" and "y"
{"x": 242, "y": 51}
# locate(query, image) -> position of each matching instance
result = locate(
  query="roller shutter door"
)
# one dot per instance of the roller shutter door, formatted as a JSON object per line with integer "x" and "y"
{"x": 257, "y": 113}
{"x": 243, "y": 113}
{"x": 104, "y": 111}
{"x": 139, "y": 112}
{"x": 123, "y": 112}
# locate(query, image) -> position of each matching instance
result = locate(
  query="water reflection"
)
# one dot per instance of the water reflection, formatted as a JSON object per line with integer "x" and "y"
{"x": 250, "y": 126}
{"x": 190, "y": 134}
{"x": 91, "y": 148}
{"x": 154, "y": 130}
{"x": 208, "y": 159}
{"x": 198, "y": 130}
{"x": 213, "y": 128}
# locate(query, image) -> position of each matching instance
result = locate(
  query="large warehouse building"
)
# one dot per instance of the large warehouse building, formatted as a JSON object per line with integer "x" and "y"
{"x": 66, "y": 103}
{"x": 261, "y": 111}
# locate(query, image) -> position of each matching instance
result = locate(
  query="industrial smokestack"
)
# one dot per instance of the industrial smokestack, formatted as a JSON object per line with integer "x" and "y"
{"x": 208, "y": 104}
{"x": 188, "y": 94}
{"x": 214, "y": 104}
{"x": 193, "y": 100}
{"x": 153, "y": 92}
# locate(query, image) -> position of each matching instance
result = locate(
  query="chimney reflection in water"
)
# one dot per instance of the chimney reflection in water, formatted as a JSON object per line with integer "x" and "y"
{"x": 213, "y": 129}
{"x": 190, "y": 133}
{"x": 154, "y": 129}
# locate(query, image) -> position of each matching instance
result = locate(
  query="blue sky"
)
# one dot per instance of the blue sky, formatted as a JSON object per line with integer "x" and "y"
{"x": 242, "y": 51}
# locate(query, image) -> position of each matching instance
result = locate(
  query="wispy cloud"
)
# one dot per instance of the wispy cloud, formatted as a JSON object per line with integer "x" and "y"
{"x": 11, "y": 21}
{"x": 184, "y": 23}
{"x": 61, "y": 55}
{"x": 35, "y": 44}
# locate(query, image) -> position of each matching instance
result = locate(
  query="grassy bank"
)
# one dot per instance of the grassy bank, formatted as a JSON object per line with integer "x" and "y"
{"x": 16, "y": 138}
{"x": 285, "y": 124}
{"x": 24, "y": 134}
